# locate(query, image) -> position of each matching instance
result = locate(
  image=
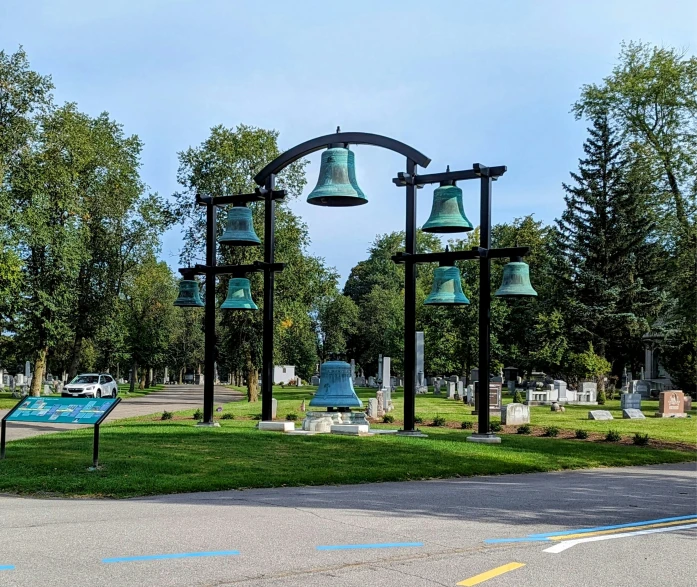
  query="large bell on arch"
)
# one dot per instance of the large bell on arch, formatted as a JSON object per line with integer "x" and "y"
{"x": 336, "y": 185}
{"x": 335, "y": 387}
{"x": 239, "y": 230}
{"x": 239, "y": 296}
{"x": 447, "y": 212}
{"x": 189, "y": 296}
{"x": 516, "y": 281}
{"x": 447, "y": 288}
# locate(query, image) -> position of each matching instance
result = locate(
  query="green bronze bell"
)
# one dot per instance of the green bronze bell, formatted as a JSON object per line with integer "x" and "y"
{"x": 336, "y": 185}
{"x": 516, "y": 281}
{"x": 189, "y": 296}
{"x": 447, "y": 212}
{"x": 239, "y": 296}
{"x": 240, "y": 228}
{"x": 447, "y": 288}
{"x": 335, "y": 387}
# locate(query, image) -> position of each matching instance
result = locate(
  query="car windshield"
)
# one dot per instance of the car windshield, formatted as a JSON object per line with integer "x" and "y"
{"x": 85, "y": 379}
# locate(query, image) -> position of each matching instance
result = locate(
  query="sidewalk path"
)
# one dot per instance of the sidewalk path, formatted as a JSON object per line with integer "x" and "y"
{"x": 172, "y": 398}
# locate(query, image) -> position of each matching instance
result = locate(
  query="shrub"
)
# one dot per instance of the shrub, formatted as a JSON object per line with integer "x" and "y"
{"x": 227, "y": 416}
{"x": 601, "y": 398}
{"x": 387, "y": 419}
{"x": 256, "y": 417}
{"x": 581, "y": 434}
{"x": 418, "y": 420}
{"x": 466, "y": 425}
{"x": 495, "y": 426}
{"x": 198, "y": 415}
{"x": 438, "y": 421}
{"x": 641, "y": 439}
{"x": 291, "y": 417}
{"x": 524, "y": 429}
{"x": 613, "y": 436}
{"x": 551, "y": 431}
{"x": 517, "y": 397}
{"x": 166, "y": 415}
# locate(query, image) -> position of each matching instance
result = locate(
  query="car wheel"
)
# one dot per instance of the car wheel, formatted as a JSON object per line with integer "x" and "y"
{"x": 114, "y": 392}
{"x": 99, "y": 393}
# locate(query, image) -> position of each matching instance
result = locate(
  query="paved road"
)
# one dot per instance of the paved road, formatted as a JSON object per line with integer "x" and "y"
{"x": 172, "y": 398}
{"x": 442, "y": 526}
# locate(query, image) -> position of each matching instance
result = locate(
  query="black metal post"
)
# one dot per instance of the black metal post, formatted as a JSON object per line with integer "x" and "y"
{"x": 484, "y": 304}
{"x": 2, "y": 439}
{"x": 410, "y": 305}
{"x": 95, "y": 447}
{"x": 269, "y": 278}
{"x": 209, "y": 341}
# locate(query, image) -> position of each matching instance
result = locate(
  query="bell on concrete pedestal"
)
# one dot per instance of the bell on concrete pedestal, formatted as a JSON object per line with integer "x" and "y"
{"x": 447, "y": 212}
{"x": 336, "y": 387}
{"x": 447, "y": 288}
{"x": 336, "y": 185}
{"x": 239, "y": 297}
{"x": 239, "y": 230}
{"x": 189, "y": 296}
{"x": 516, "y": 281}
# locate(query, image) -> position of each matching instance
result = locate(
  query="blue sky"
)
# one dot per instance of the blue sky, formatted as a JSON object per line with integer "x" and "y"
{"x": 462, "y": 81}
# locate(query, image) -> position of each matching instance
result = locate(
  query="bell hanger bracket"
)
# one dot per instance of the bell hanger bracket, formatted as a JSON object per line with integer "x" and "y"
{"x": 449, "y": 257}
{"x": 478, "y": 170}
{"x": 260, "y": 194}
{"x": 255, "y": 267}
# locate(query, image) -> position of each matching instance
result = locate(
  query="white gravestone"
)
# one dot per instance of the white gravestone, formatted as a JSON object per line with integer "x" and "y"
{"x": 461, "y": 389}
{"x": 451, "y": 390}
{"x": 600, "y": 415}
{"x": 630, "y": 401}
{"x": 515, "y": 414}
{"x": 373, "y": 408}
{"x": 274, "y": 407}
{"x": 632, "y": 414}
{"x": 587, "y": 392}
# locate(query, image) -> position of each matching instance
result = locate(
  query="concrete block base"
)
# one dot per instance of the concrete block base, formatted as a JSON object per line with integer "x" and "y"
{"x": 276, "y": 426}
{"x": 660, "y": 415}
{"x": 414, "y": 433}
{"x": 208, "y": 424}
{"x": 484, "y": 438}
{"x": 351, "y": 429}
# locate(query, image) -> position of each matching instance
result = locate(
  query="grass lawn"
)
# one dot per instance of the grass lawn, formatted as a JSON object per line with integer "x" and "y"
{"x": 682, "y": 430}
{"x": 8, "y": 402}
{"x": 144, "y": 456}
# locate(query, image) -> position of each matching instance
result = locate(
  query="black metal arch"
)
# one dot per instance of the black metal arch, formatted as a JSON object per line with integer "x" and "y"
{"x": 347, "y": 138}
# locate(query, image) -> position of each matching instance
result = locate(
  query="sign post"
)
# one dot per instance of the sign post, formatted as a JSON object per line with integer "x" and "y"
{"x": 61, "y": 410}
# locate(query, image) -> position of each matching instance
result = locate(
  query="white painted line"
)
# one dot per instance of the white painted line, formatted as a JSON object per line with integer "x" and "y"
{"x": 562, "y": 546}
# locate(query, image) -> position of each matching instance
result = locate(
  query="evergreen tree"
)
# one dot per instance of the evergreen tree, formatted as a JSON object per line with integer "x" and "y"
{"x": 608, "y": 255}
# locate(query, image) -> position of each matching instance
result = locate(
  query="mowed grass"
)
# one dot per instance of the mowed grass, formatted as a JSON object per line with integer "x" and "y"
{"x": 428, "y": 406}
{"x": 8, "y": 402}
{"x": 144, "y": 457}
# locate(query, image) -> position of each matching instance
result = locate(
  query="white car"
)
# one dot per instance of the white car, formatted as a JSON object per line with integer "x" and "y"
{"x": 91, "y": 385}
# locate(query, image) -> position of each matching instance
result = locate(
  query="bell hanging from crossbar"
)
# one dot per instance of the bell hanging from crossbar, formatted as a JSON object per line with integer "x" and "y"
{"x": 239, "y": 296}
{"x": 447, "y": 212}
{"x": 516, "y": 281}
{"x": 239, "y": 230}
{"x": 335, "y": 387}
{"x": 447, "y": 288}
{"x": 189, "y": 296}
{"x": 336, "y": 185}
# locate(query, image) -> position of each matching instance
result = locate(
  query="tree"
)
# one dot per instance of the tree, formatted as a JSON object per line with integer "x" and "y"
{"x": 338, "y": 318}
{"x": 186, "y": 349}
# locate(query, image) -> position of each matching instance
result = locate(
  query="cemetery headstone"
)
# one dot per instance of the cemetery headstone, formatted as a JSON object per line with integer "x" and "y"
{"x": 515, "y": 414}
{"x": 373, "y": 408}
{"x": 274, "y": 407}
{"x": 451, "y": 390}
{"x": 600, "y": 415}
{"x": 587, "y": 392}
{"x": 474, "y": 375}
{"x": 632, "y": 414}
{"x": 630, "y": 401}
{"x": 460, "y": 388}
{"x": 643, "y": 388}
{"x": 688, "y": 403}
{"x": 380, "y": 397}
{"x": 671, "y": 404}
{"x": 470, "y": 394}
{"x": 436, "y": 387}
{"x": 314, "y": 380}
{"x": 47, "y": 389}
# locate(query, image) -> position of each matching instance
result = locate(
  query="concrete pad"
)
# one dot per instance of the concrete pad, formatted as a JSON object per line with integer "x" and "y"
{"x": 302, "y": 432}
{"x": 484, "y": 438}
{"x": 276, "y": 426}
{"x": 350, "y": 429}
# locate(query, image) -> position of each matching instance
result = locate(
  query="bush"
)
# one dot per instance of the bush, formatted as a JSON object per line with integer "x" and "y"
{"x": 613, "y": 436}
{"x": 517, "y": 397}
{"x": 601, "y": 398}
{"x": 438, "y": 421}
{"x": 166, "y": 415}
{"x": 581, "y": 434}
{"x": 387, "y": 419}
{"x": 466, "y": 425}
{"x": 198, "y": 415}
{"x": 641, "y": 439}
{"x": 495, "y": 426}
{"x": 256, "y": 417}
{"x": 291, "y": 417}
{"x": 551, "y": 431}
{"x": 418, "y": 420}
{"x": 524, "y": 429}
{"x": 227, "y": 416}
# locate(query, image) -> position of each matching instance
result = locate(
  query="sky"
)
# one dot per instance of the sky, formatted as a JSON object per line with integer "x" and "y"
{"x": 461, "y": 81}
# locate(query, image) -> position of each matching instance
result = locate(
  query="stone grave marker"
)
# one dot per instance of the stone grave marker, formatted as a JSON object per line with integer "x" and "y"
{"x": 630, "y": 401}
{"x": 587, "y": 392}
{"x": 643, "y": 387}
{"x": 274, "y": 407}
{"x": 671, "y": 404}
{"x": 515, "y": 414}
{"x": 314, "y": 380}
{"x": 688, "y": 403}
{"x": 632, "y": 414}
{"x": 380, "y": 398}
{"x": 373, "y": 408}
{"x": 451, "y": 390}
{"x": 600, "y": 415}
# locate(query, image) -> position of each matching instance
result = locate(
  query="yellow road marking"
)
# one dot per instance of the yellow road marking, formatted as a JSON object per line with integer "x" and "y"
{"x": 620, "y": 530}
{"x": 477, "y": 579}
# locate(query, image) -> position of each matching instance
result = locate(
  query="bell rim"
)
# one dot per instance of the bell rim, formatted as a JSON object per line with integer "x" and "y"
{"x": 337, "y": 201}
{"x": 239, "y": 243}
{"x": 194, "y": 305}
{"x": 248, "y": 306}
{"x": 446, "y": 229}
{"x": 516, "y": 295}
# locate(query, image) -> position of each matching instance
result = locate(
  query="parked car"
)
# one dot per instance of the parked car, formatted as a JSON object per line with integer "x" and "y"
{"x": 91, "y": 385}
